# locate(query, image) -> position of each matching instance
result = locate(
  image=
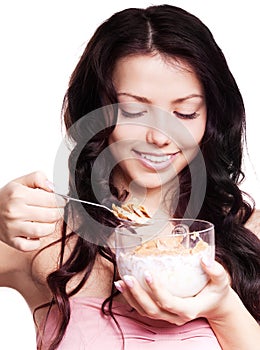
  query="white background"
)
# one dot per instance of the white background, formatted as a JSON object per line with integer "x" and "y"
{"x": 41, "y": 42}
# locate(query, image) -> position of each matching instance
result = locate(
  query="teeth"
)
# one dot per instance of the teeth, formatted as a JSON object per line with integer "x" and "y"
{"x": 156, "y": 159}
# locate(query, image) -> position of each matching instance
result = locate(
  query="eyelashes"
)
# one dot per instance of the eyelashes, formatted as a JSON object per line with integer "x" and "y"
{"x": 132, "y": 115}
{"x": 141, "y": 114}
{"x": 187, "y": 116}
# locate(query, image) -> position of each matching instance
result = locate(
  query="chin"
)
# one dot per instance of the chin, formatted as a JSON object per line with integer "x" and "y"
{"x": 156, "y": 185}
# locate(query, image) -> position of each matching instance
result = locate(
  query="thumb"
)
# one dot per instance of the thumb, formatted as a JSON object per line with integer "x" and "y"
{"x": 36, "y": 179}
{"x": 216, "y": 272}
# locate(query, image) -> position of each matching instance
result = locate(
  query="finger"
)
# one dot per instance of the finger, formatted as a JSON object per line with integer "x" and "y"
{"x": 42, "y": 198}
{"x": 43, "y": 215}
{"x": 123, "y": 288}
{"x": 216, "y": 272}
{"x": 167, "y": 301}
{"x": 144, "y": 303}
{"x": 36, "y": 230}
{"x": 142, "y": 298}
{"x": 36, "y": 179}
{"x": 26, "y": 245}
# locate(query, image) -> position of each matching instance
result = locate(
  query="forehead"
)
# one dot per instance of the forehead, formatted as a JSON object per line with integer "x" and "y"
{"x": 154, "y": 74}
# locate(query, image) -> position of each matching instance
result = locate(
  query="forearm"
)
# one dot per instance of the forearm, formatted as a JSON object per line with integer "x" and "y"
{"x": 237, "y": 329}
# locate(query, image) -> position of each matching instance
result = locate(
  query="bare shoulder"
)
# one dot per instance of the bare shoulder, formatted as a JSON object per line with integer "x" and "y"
{"x": 253, "y": 224}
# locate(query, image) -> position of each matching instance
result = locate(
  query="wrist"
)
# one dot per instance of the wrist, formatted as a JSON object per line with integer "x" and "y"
{"x": 230, "y": 319}
{"x": 226, "y": 307}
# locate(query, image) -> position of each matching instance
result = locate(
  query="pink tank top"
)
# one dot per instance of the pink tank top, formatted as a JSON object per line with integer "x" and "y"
{"x": 89, "y": 329}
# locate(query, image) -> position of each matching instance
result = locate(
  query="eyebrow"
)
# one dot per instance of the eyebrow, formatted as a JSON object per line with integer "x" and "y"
{"x": 146, "y": 100}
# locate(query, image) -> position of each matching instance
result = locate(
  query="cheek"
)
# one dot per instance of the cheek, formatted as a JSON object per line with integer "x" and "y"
{"x": 120, "y": 133}
{"x": 120, "y": 142}
{"x": 199, "y": 131}
{"x": 194, "y": 134}
{"x": 126, "y": 132}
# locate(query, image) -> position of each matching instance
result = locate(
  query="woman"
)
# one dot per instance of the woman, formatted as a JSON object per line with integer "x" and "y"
{"x": 165, "y": 57}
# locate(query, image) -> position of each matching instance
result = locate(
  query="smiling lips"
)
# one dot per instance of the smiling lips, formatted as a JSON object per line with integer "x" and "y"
{"x": 156, "y": 161}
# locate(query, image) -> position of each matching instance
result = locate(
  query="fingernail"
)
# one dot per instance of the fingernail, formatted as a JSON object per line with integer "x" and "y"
{"x": 50, "y": 185}
{"x": 207, "y": 261}
{"x": 128, "y": 281}
{"x": 148, "y": 277}
{"x": 118, "y": 286}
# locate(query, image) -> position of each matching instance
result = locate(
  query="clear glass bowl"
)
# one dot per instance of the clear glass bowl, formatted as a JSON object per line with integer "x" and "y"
{"x": 171, "y": 250}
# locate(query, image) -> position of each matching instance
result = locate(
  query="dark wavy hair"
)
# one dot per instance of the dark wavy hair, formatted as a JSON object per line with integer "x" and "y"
{"x": 173, "y": 33}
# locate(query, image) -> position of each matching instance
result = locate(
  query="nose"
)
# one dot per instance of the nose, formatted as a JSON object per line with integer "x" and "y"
{"x": 157, "y": 137}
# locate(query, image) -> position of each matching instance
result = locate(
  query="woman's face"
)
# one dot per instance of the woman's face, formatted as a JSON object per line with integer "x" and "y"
{"x": 161, "y": 119}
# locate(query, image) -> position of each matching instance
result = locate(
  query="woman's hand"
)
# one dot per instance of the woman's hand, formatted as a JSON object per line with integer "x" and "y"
{"x": 28, "y": 211}
{"x": 212, "y": 302}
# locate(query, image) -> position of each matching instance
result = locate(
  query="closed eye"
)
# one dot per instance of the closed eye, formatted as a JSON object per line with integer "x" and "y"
{"x": 186, "y": 116}
{"x": 132, "y": 115}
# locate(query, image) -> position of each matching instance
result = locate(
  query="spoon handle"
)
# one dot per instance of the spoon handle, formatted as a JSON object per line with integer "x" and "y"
{"x": 68, "y": 198}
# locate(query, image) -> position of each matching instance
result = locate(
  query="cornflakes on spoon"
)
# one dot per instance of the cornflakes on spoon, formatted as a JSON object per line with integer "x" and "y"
{"x": 131, "y": 212}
